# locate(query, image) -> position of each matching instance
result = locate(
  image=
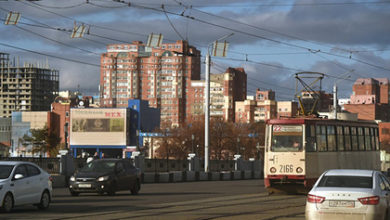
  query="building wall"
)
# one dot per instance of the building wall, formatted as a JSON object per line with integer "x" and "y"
{"x": 286, "y": 109}
{"x": 22, "y": 123}
{"x": 5, "y": 131}
{"x": 26, "y": 88}
{"x": 58, "y": 118}
{"x": 160, "y": 75}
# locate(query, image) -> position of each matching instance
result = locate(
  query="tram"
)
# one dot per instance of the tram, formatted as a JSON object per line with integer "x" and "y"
{"x": 299, "y": 150}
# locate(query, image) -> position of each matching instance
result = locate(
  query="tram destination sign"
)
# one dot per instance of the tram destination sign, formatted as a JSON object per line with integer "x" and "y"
{"x": 287, "y": 128}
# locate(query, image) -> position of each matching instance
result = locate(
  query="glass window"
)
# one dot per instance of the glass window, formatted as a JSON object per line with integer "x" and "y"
{"x": 311, "y": 139}
{"x": 376, "y": 139}
{"x": 5, "y": 171}
{"x": 331, "y": 138}
{"x": 321, "y": 137}
{"x": 32, "y": 170}
{"x": 347, "y": 138}
{"x": 340, "y": 139}
{"x": 286, "y": 138}
{"x": 372, "y": 136}
{"x": 346, "y": 181}
{"x": 367, "y": 138}
{"x": 21, "y": 169}
{"x": 354, "y": 139}
{"x": 361, "y": 138}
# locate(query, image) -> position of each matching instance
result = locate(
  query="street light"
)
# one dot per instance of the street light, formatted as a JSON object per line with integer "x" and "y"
{"x": 192, "y": 138}
{"x": 207, "y": 97}
{"x": 335, "y": 91}
{"x": 238, "y": 145}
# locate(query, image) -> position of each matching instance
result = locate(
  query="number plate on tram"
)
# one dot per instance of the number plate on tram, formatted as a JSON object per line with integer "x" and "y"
{"x": 286, "y": 168}
{"x": 341, "y": 203}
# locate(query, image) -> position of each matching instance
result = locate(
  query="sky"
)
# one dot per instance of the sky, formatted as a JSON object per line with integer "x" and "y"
{"x": 273, "y": 39}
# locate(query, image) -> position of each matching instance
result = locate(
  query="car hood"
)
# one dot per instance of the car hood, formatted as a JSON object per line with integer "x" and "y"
{"x": 91, "y": 174}
{"x": 3, "y": 180}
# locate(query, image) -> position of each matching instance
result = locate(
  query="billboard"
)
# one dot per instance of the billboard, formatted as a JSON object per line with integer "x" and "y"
{"x": 98, "y": 126}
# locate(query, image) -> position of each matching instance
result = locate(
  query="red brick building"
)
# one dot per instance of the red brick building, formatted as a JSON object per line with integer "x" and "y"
{"x": 162, "y": 76}
{"x": 370, "y": 99}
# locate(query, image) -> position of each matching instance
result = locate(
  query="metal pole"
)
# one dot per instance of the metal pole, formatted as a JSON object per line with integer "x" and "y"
{"x": 335, "y": 101}
{"x": 192, "y": 137}
{"x": 207, "y": 115}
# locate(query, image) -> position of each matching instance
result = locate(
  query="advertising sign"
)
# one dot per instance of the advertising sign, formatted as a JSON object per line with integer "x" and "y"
{"x": 98, "y": 127}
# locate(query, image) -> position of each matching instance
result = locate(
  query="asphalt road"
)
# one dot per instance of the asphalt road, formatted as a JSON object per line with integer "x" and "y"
{"x": 244, "y": 199}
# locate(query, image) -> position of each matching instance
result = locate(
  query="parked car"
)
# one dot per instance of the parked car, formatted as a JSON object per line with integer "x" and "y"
{"x": 24, "y": 183}
{"x": 106, "y": 176}
{"x": 349, "y": 194}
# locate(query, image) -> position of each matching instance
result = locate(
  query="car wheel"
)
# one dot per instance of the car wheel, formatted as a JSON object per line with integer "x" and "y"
{"x": 73, "y": 193}
{"x": 45, "y": 201}
{"x": 136, "y": 188}
{"x": 8, "y": 203}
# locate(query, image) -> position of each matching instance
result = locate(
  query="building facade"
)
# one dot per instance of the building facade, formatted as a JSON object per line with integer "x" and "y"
{"x": 27, "y": 87}
{"x": 159, "y": 75}
{"x": 370, "y": 99}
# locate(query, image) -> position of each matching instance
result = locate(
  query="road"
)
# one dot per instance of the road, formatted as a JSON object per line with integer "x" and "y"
{"x": 244, "y": 199}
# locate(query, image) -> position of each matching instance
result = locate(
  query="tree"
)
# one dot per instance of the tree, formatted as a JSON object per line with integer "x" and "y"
{"x": 43, "y": 141}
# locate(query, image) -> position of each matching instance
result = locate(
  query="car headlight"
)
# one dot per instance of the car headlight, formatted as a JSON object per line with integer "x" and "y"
{"x": 72, "y": 179}
{"x": 103, "y": 178}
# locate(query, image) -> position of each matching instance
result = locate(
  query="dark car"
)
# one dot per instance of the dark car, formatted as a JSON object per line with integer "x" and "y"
{"x": 106, "y": 176}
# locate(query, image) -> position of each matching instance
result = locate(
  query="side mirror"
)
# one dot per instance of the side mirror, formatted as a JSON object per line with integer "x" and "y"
{"x": 18, "y": 176}
{"x": 119, "y": 169}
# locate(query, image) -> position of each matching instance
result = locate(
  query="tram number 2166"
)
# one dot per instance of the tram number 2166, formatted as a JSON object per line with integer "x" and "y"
{"x": 286, "y": 168}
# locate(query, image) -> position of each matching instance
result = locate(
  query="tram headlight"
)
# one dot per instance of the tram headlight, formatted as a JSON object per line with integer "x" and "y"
{"x": 299, "y": 170}
{"x": 272, "y": 170}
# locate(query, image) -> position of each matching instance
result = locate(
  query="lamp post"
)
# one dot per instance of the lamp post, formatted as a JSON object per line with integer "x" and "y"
{"x": 207, "y": 97}
{"x": 192, "y": 138}
{"x": 335, "y": 91}
{"x": 238, "y": 145}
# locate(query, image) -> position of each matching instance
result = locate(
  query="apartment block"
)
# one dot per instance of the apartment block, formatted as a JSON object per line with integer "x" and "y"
{"x": 161, "y": 76}
{"x": 286, "y": 109}
{"x": 264, "y": 107}
{"x": 370, "y": 99}
{"x": 26, "y": 88}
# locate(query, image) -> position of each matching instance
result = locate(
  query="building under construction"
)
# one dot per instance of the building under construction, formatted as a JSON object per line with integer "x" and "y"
{"x": 27, "y": 87}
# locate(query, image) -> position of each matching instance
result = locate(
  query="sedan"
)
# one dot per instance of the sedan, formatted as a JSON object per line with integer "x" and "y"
{"x": 349, "y": 194}
{"x": 24, "y": 183}
{"x": 106, "y": 176}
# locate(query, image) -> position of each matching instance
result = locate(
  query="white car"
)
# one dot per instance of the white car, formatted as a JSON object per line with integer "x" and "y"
{"x": 349, "y": 194}
{"x": 24, "y": 183}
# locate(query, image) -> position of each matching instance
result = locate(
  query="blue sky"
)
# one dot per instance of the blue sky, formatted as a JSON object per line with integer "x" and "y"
{"x": 273, "y": 39}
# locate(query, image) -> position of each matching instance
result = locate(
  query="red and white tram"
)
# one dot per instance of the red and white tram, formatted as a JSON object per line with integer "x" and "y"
{"x": 299, "y": 150}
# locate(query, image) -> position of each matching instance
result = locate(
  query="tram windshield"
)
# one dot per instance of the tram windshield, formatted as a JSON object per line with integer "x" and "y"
{"x": 286, "y": 138}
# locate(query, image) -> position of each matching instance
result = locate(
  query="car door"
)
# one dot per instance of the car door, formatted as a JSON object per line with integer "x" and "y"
{"x": 120, "y": 173}
{"x": 36, "y": 182}
{"x": 386, "y": 190}
{"x": 21, "y": 187}
{"x": 131, "y": 174}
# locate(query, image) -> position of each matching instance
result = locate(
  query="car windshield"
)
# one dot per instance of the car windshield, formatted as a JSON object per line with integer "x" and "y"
{"x": 346, "y": 181}
{"x": 286, "y": 138}
{"x": 5, "y": 171}
{"x": 99, "y": 166}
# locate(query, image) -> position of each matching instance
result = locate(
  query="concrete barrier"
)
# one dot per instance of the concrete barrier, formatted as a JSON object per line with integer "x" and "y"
{"x": 215, "y": 176}
{"x": 236, "y": 175}
{"x": 226, "y": 175}
{"x": 247, "y": 175}
{"x": 190, "y": 176}
{"x": 203, "y": 176}
{"x": 150, "y": 178}
{"x": 258, "y": 175}
{"x": 177, "y": 176}
{"x": 163, "y": 177}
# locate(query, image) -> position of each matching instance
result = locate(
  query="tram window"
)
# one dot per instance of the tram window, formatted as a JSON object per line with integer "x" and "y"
{"x": 354, "y": 139}
{"x": 372, "y": 136}
{"x": 340, "y": 138}
{"x": 376, "y": 139}
{"x": 347, "y": 138}
{"x": 310, "y": 139}
{"x": 367, "y": 138}
{"x": 321, "y": 137}
{"x": 331, "y": 138}
{"x": 361, "y": 138}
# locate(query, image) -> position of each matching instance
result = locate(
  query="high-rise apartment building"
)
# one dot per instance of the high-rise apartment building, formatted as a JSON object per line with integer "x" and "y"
{"x": 159, "y": 75}
{"x": 27, "y": 87}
